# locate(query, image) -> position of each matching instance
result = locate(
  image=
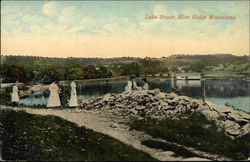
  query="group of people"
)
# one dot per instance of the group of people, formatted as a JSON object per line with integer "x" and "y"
{"x": 54, "y": 98}
{"x": 133, "y": 86}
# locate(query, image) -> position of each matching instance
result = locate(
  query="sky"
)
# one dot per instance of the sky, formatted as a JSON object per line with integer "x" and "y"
{"x": 122, "y": 28}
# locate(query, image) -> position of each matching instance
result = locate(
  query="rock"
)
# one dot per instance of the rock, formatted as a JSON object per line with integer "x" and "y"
{"x": 160, "y": 105}
{"x": 174, "y": 102}
{"x": 140, "y": 107}
{"x": 134, "y": 111}
{"x": 242, "y": 122}
{"x": 194, "y": 105}
{"x": 211, "y": 115}
{"x": 171, "y": 96}
{"x": 115, "y": 125}
{"x": 245, "y": 129}
{"x": 161, "y": 96}
{"x": 244, "y": 115}
{"x": 157, "y": 91}
{"x": 106, "y": 97}
{"x": 152, "y": 92}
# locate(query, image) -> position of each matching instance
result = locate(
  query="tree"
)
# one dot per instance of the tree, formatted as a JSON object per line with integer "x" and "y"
{"x": 132, "y": 68}
{"x": 13, "y": 73}
{"x": 74, "y": 71}
{"x": 90, "y": 72}
{"x": 104, "y": 72}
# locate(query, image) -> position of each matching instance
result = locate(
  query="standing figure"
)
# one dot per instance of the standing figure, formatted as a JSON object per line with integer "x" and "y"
{"x": 14, "y": 95}
{"x": 54, "y": 99}
{"x": 73, "y": 95}
{"x": 145, "y": 86}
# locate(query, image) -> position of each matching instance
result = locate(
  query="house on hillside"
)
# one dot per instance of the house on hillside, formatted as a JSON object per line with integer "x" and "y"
{"x": 188, "y": 76}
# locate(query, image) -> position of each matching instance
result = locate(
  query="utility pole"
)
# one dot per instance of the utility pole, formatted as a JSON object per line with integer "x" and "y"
{"x": 172, "y": 81}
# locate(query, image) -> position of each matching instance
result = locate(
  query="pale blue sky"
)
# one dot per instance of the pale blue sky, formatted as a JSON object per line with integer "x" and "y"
{"x": 123, "y": 19}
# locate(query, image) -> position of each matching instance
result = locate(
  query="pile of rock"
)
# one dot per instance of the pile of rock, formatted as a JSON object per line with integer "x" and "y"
{"x": 158, "y": 105}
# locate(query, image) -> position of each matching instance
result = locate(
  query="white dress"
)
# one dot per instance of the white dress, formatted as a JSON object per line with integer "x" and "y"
{"x": 54, "y": 99}
{"x": 135, "y": 85}
{"x": 145, "y": 86}
{"x": 14, "y": 94}
{"x": 73, "y": 95}
{"x": 128, "y": 88}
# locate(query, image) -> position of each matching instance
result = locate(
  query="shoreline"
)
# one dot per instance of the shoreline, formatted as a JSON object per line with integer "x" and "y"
{"x": 126, "y": 78}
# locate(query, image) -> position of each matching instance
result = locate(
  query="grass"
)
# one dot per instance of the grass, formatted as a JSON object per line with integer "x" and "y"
{"x": 40, "y": 138}
{"x": 192, "y": 132}
{"x": 178, "y": 151}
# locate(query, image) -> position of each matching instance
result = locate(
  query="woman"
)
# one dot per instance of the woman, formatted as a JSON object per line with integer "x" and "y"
{"x": 54, "y": 99}
{"x": 73, "y": 95}
{"x": 145, "y": 86}
{"x": 131, "y": 85}
{"x": 14, "y": 95}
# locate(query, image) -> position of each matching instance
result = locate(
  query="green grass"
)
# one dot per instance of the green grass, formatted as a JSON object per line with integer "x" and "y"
{"x": 36, "y": 138}
{"x": 178, "y": 151}
{"x": 192, "y": 132}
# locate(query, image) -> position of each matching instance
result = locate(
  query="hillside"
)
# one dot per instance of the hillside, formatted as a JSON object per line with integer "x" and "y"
{"x": 28, "y": 68}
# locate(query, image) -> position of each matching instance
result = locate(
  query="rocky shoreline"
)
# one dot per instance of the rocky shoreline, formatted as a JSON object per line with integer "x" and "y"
{"x": 155, "y": 104}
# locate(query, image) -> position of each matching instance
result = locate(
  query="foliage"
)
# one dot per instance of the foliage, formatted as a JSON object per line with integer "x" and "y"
{"x": 49, "y": 138}
{"x": 25, "y": 69}
{"x": 13, "y": 73}
{"x": 192, "y": 132}
{"x": 5, "y": 96}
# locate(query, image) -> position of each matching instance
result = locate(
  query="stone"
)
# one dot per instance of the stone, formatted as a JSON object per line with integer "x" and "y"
{"x": 152, "y": 92}
{"x": 134, "y": 111}
{"x": 245, "y": 129}
{"x": 194, "y": 105}
{"x": 140, "y": 107}
{"x": 210, "y": 115}
{"x": 106, "y": 97}
{"x": 160, "y": 105}
{"x": 161, "y": 95}
{"x": 157, "y": 91}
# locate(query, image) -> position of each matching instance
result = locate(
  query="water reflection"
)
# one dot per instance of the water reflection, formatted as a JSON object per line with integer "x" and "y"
{"x": 221, "y": 91}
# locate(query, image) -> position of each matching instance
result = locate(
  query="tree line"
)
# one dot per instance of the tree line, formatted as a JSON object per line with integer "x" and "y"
{"x": 68, "y": 71}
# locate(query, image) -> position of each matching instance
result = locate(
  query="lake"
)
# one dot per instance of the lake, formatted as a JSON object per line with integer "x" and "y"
{"x": 230, "y": 92}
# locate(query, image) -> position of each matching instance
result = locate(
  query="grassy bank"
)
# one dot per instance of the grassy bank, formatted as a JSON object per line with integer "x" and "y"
{"x": 34, "y": 137}
{"x": 196, "y": 132}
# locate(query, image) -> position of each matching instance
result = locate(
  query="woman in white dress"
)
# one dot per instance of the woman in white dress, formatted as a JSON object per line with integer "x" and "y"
{"x": 54, "y": 99}
{"x": 73, "y": 96}
{"x": 14, "y": 95}
{"x": 131, "y": 85}
{"x": 145, "y": 86}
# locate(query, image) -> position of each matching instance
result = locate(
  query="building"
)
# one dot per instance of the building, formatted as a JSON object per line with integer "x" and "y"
{"x": 188, "y": 76}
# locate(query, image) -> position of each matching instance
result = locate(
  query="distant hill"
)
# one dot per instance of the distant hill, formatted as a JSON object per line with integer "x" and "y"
{"x": 207, "y": 56}
{"x": 10, "y": 59}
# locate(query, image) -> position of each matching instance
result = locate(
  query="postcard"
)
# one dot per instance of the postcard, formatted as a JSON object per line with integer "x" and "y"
{"x": 124, "y": 80}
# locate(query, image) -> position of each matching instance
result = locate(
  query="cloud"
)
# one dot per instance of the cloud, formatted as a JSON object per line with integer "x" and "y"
{"x": 50, "y": 9}
{"x": 36, "y": 30}
{"x": 160, "y": 9}
{"x": 33, "y": 19}
{"x": 74, "y": 29}
{"x": 5, "y": 10}
{"x": 69, "y": 15}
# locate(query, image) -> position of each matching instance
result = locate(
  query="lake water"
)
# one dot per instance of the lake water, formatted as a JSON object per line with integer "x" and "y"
{"x": 234, "y": 92}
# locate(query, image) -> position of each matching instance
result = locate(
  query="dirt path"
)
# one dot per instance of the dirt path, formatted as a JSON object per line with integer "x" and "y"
{"x": 115, "y": 128}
